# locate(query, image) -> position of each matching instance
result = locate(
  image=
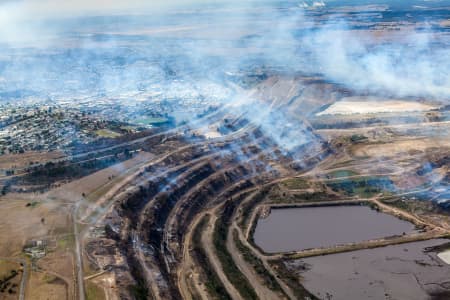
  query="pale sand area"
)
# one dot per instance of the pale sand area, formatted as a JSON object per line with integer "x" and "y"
{"x": 445, "y": 256}
{"x": 400, "y": 146}
{"x": 358, "y": 105}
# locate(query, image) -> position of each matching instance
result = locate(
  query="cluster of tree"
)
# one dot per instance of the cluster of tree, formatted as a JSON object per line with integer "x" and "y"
{"x": 6, "y": 285}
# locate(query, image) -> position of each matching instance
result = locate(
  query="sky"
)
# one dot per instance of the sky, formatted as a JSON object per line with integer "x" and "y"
{"x": 54, "y": 8}
{"x": 24, "y": 20}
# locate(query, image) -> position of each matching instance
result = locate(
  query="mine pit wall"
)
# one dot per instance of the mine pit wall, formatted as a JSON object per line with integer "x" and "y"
{"x": 151, "y": 230}
{"x": 132, "y": 205}
{"x": 156, "y": 216}
{"x": 168, "y": 256}
{"x": 206, "y": 172}
{"x": 307, "y": 156}
{"x": 125, "y": 216}
{"x": 211, "y": 191}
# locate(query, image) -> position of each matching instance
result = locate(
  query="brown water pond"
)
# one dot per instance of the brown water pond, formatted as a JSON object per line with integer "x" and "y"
{"x": 400, "y": 272}
{"x": 290, "y": 229}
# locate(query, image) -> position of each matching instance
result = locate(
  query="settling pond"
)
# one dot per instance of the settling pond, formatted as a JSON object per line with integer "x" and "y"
{"x": 405, "y": 271}
{"x": 290, "y": 229}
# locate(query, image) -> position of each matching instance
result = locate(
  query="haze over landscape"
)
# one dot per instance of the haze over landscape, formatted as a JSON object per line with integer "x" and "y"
{"x": 224, "y": 149}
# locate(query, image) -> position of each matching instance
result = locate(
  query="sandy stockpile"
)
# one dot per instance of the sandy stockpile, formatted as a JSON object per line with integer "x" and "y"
{"x": 370, "y": 105}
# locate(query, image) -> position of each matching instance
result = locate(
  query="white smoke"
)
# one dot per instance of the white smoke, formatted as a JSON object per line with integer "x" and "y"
{"x": 411, "y": 66}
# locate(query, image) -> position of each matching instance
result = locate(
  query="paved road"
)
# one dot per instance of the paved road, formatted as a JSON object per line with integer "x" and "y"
{"x": 23, "y": 282}
{"x": 79, "y": 261}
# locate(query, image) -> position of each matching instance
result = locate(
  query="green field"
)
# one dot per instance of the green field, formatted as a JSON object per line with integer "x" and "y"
{"x": 66, "y": 242}
{"x": 364, "y": 187}
{"x": 296, "y": 184}
{"x": 94, "y": 292}
{"x": 106, "y": 133}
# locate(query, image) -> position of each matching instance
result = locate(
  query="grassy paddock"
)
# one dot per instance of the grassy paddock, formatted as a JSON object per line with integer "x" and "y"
{"x": 295, "y": 184}
{"x": 364, "y": 187}
{"x": 94, "y": 292}
{"x": 106, "y": 133}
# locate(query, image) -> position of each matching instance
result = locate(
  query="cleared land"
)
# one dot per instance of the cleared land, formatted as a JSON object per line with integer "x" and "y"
{"x": 356, "y": 105}
{"x": 26, "y": 159}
